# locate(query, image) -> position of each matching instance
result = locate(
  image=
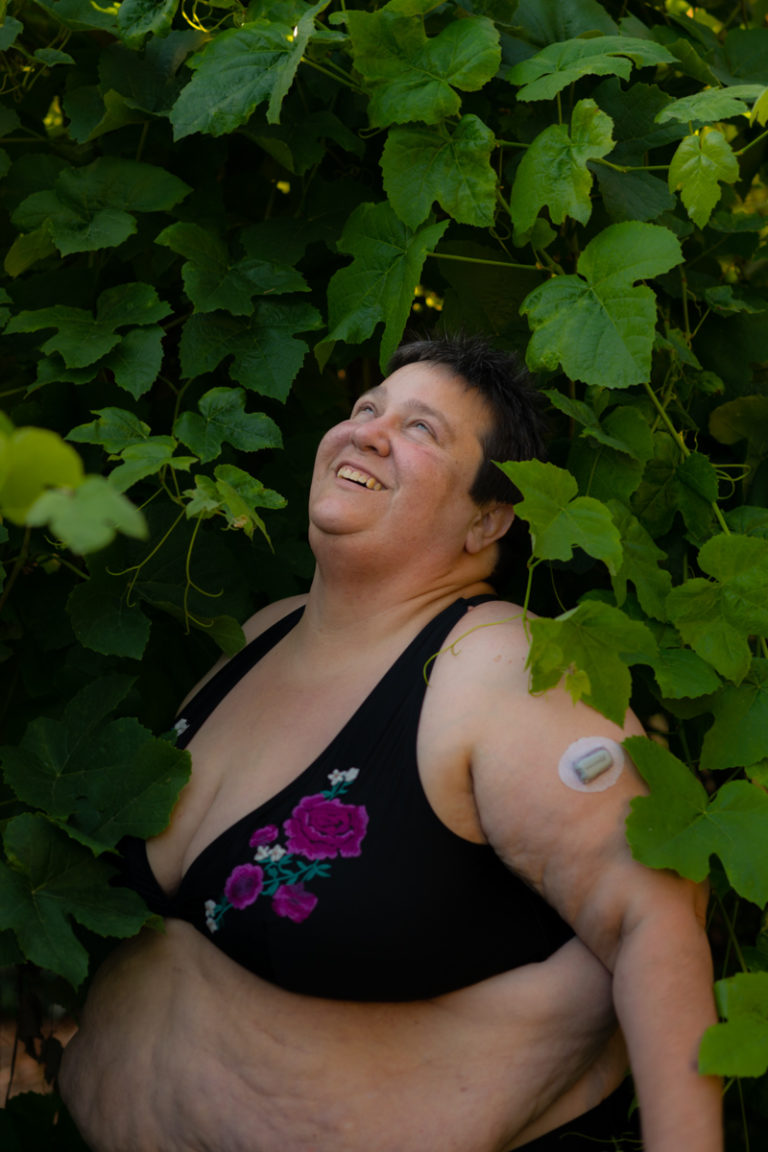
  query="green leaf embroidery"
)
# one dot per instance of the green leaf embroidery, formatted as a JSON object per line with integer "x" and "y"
{"x": 598, "y": 325}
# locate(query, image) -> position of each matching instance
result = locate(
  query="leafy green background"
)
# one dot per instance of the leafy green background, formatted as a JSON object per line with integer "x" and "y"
{"x": 217, "y": 221}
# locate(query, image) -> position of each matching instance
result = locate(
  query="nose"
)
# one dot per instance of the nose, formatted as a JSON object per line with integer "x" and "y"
{"x": 372, "y": 435}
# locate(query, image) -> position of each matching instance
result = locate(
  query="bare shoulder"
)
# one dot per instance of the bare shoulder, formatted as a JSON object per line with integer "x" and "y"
{"x": 253, "y": 627}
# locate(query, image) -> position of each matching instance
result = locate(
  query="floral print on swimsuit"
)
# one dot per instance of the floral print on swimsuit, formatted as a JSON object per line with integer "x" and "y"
{"x": 320, "y": 828}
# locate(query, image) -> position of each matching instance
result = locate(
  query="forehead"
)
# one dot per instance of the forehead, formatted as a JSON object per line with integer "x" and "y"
{"x": 433, "y": 389}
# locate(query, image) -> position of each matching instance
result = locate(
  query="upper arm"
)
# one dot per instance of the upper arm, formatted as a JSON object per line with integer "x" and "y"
{"x": 570, "y": 845}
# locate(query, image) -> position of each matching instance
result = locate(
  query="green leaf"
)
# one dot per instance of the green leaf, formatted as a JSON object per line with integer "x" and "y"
{"x": 213, "y": 282}
{"x": 557, "y": 66}
{"x": 413, "y": 77}
{"x": 671, "y": 484}
{"x": 701, "y": 163}
{"x": 420, "y": 165}
{"x": 234, "y": 495}
{"x": 640, "y": 564}
{"x": 266, "y": 353}
{"x": 633, "y": 195}
{"x": 88, "y": 517}
{"x": 80, "y": 339}
{"x": 716, "y": 617}
{"x": 678, "y": 827}
{"x": 105, "y": 622}
{"x": 682, "y": 674}
{"x": 32, "y": 460}
{"x": 240, "y": 69}
{"x": 712, "y": 104}
{"x": 50, "y": 881}
{"x": 591, "y": 647}
{"x": 114, "y": 430}
{"x": 738, "y": 1047}
{"x": 128, "y": 304}
{"x": 597, "y": 325}
{"x": 739, "y": 736}
{"x": 560, "y": 520}
{"x": 146, "y": 458}
{"x": 553, "y": 172}
{"x": 27, "y": 249}
{"x": 82, "y": 15}
{"x": 9, "y": 30}
{"x": 378, "y": 284}
{"x": 135, "y": 362}
{"x": 139, "y": 18}
{"x": 223, "y": 418}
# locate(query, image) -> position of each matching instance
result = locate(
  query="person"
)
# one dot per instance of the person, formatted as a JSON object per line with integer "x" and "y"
{"x": 424, "y": 939}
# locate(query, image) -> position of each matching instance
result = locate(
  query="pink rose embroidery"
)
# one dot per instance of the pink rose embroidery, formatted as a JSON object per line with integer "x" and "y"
{"x": 293, "y": 901}
{"x": 319, "y": 828}
{"x": 244, "y": 884}
{"x": 264, "y": 835}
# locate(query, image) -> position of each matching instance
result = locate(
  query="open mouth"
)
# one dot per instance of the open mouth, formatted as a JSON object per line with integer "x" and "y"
{"x": 358, "y": 477}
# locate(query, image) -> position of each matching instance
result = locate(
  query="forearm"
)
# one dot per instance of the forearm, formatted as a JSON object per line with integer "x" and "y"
{"x": 664, "y": 1001}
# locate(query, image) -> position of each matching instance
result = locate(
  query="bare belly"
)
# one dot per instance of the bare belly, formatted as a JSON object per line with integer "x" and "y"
{"x": 182, "y": 1050}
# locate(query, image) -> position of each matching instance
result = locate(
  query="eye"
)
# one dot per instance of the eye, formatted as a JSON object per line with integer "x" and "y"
{"x": 422, "y": 426}
{"x": 365, "y": 408}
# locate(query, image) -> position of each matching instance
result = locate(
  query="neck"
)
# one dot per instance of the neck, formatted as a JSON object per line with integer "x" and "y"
{"x": 361, "y": 606}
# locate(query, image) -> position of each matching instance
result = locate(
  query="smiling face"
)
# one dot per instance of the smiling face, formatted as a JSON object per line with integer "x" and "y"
{"x": 397, "y": 474}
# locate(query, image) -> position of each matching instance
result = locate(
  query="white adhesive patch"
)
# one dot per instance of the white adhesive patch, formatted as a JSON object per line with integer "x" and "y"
{"x": 591, "y": 764}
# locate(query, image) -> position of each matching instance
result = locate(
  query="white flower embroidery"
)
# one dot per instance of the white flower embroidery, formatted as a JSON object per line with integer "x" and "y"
{"x": 210, "y": 906}
{"x": 181, "y": 726}
{"x": 276, "y": 853}
{"x": 339, "y": 777}
{"x": 263, "y": 852}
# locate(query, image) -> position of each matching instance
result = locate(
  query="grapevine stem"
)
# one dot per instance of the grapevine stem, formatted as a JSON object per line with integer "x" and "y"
{"x": 339, "y": 76}
{"x": 683, "y": 448}
{"x": 478, "y": 260}
{"x": 21, "y": 560}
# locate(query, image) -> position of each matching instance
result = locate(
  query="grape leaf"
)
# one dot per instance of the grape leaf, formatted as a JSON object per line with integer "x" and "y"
{"x": 420, "y": 165}
{"x": 87, "y": 518}
{"x": 378, "y": 284}
{"x": 266, "y": 353}
{"x": 597, "y": 325}
{"x": 633, "y": 195}
{"x": 738, "y": 1047}
{"x": 717, "y": 616}
{"x": 671, "y": 484}
{"x": 82, "y": 15}
{"x": 680, "y": 673}
{"x": 139, "y": 18}
{"x": 114, "y": 430}
{"x": 31, "y": 460}
{"x": 223, "y": 418}
{"x": 553, "y": 172}
{"x": 9, "y": 30}
{"x": 105, "y": 622}
{"x": 234, "y": 495}
{"x": 542, "y": 76}
{"x": 136, "y": 361}
{"x": 212, "y": 281}
{"x": 701, "y": 163}
{"x": 413, "y": 77}
{"x": 678, "y": 827}
{"x": 145, "y": 458}
{"x": 560, "y": 520}
{"x": 640, "y": 564}
{"x": 240, "y": 69}
{"x": 739, "y": 736}
{"x": 711, "y": 104}
{"x": 591, "y": 646}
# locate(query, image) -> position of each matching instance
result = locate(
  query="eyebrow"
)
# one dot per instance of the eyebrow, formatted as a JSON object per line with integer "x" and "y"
{"x": 412, "y": 405}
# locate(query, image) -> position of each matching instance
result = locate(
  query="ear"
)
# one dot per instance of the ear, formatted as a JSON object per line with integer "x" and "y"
{"x": 490, "y": 523}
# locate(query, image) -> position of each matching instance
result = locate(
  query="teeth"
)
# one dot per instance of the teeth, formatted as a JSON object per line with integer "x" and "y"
{"x": 347, "y": 473}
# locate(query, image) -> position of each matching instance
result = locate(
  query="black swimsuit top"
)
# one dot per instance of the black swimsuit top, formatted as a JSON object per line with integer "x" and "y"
{"x": 346, "y": 884}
